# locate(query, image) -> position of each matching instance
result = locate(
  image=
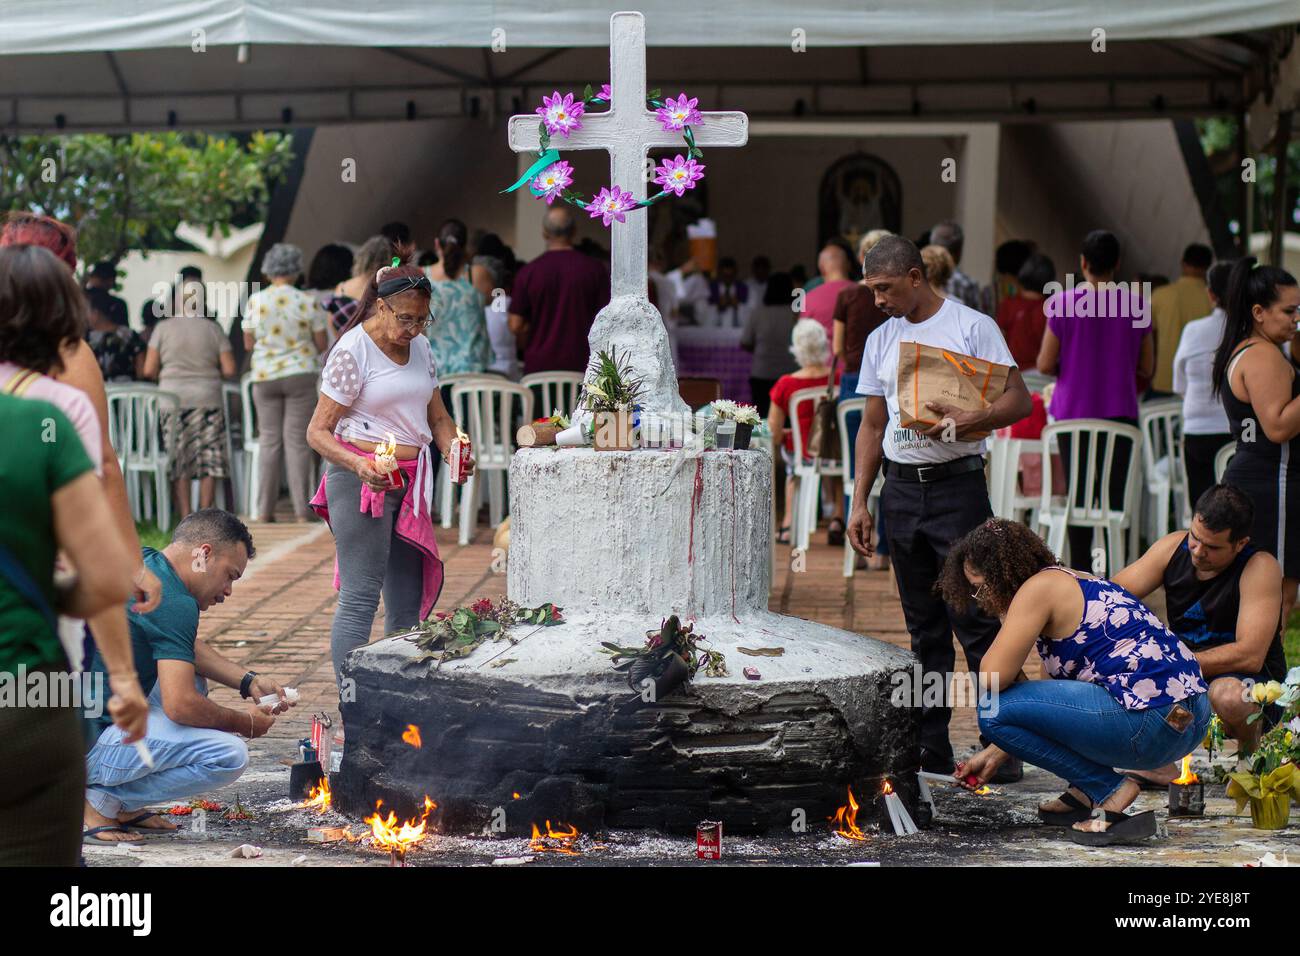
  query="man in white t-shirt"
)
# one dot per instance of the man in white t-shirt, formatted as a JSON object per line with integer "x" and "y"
{"x": 934, "y": 490}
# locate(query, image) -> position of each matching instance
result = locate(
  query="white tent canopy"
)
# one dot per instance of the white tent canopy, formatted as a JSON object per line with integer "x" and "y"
{"x": 222, "y": 64}
{"x": 62, "y": 26}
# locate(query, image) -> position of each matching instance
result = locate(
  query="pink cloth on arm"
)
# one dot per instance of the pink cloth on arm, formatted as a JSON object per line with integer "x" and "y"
{"x": 417, "y": 531}
{"x": 73, "y": 402}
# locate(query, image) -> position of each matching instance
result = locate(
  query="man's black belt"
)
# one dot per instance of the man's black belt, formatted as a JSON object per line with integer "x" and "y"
{"x": 936, "y": 472}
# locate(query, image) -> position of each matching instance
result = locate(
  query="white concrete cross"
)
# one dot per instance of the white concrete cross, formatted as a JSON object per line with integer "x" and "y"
{"x": 628, "y": 130}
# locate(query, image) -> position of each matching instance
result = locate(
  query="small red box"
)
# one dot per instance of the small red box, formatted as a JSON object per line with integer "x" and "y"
{"x": 456, "y": 457}
{"x": 708, "y": 840}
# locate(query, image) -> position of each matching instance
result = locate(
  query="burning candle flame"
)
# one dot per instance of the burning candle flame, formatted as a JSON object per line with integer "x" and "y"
{"x": 1187, "y": 776}
{"x": 887, "y": 788}
{"x": 412, "y": 736}
{"x": 555, "y": 841}
{"x": 845, "y": 820}
{"x": 388, "y": 834}
{"x": 319, "y": 798}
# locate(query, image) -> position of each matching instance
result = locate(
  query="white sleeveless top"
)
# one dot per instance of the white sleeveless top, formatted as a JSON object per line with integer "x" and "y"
{"x": 384, "y": 398}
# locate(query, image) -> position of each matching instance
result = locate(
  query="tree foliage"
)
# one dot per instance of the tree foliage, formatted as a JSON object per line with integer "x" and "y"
{"x": 118, "y": 191}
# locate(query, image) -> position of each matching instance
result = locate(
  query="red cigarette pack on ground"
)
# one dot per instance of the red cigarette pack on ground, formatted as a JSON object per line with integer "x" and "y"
{"x": 456, "y": 457}
{"x": 708, "y": 840}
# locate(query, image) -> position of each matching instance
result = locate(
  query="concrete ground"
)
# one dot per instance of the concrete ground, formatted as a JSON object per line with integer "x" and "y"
{"x": 278, "y": 621}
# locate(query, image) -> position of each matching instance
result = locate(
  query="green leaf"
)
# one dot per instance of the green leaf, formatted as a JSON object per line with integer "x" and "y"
{"x": 655, "y": 94}
{"x": 587, "y": 94}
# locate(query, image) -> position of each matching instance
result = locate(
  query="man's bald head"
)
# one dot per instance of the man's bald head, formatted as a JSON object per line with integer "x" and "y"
{"x": 558, "y": 223}
{"x": 833, "y": 262}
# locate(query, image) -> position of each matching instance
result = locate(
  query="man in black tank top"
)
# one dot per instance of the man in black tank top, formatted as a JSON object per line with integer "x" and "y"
{"x": 1223, "y": 599}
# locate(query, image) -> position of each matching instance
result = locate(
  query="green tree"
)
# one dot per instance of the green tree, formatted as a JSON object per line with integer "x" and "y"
{"x": 119, "y": 191}
{"x": 1219, "y": 140}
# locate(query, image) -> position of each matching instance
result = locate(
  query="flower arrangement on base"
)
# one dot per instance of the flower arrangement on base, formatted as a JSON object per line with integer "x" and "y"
{"x": 670, "y": 657}
{"x": 446, "y": 635}
{"x": 1273, "y": 781}
{"x": 611, "y": 394}
{"x": 745, "y": 417}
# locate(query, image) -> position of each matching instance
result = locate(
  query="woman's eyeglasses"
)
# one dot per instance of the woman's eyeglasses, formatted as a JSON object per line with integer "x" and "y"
{"x": 413, "y": 323}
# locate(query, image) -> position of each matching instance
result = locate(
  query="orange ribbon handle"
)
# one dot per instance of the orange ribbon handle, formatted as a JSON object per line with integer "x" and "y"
{"x": 963, "y": 366}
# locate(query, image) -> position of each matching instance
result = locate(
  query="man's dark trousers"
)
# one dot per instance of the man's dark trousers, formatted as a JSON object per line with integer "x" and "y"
{"x": 922, "y": 520}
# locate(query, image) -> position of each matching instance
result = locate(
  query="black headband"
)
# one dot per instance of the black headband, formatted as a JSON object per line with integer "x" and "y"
{"x": 404, "y": 284}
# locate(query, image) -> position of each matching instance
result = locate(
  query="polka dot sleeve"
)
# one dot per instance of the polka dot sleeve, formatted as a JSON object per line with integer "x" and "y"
{"x": 342, "y": 377}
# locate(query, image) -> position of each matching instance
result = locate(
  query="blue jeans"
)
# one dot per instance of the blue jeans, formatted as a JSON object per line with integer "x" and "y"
{"x": 849, "y": 389}
{"x": 1081, "y": 733}
{"x": 187, "y": 761}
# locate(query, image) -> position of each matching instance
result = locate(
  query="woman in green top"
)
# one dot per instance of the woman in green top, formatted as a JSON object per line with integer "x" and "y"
{"x": 53, "y": 502}
{"x": 459, "y": 333}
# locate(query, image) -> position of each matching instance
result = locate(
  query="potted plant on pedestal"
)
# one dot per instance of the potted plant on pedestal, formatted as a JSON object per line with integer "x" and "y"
{"x": 611, "y": 394}
{"x": 1273, "y": 780}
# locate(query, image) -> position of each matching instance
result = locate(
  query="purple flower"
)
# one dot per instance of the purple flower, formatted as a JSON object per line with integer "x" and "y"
{"x": 679, "y": 174}
{"x": 611, "y": 203}
{"x": 561, "y": 114}
{"x": 678, "y": 113}
{"x": 552, "y": 181}
{"x": 606, "y": 93}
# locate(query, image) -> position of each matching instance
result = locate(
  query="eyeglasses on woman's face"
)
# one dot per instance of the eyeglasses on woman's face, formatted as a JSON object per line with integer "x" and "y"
{"x": 412, "y": 322}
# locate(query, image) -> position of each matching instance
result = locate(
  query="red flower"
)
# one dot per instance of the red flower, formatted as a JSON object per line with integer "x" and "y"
{"x": 481, "y": 606}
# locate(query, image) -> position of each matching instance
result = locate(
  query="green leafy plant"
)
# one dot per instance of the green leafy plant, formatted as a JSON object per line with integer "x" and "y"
{"x": 446, "y": 635}
{"x": 123, "y": 193}
{"x": 610, "y": 385}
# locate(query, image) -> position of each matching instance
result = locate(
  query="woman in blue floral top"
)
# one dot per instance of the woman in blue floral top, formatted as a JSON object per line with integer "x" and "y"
{"x": 459, "y": 333}
{"x": 1123, "y": 690}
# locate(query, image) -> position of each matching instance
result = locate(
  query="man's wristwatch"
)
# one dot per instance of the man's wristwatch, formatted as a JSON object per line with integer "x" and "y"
{"x": 246, "y": 683}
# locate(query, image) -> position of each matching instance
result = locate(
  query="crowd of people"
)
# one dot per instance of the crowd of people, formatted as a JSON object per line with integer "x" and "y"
{"x": 346, "y": 358}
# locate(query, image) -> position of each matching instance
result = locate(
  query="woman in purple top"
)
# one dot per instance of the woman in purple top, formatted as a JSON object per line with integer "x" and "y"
{"x": 1097, "y": 343}
{"x": 1123, "y": 690}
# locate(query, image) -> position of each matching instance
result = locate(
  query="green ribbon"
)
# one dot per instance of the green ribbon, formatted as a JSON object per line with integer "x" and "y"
{"x": 545, "y": 160}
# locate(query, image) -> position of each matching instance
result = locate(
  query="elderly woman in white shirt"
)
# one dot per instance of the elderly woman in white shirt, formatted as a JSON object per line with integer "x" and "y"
{"x": 284, "y": 329}
{"x": 380, "y": 385}
{"x": 1205, "y": 423}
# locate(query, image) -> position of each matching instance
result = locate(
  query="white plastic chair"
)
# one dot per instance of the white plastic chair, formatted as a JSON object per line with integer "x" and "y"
{"x": 251, "y": 457}
{"x": 559, "y": 390}
{"x": 235, "y": 455}
{"x": 484, "y": 407}
{"x": 135, "y": 415}
{"x": 444, "y": 491}
{"x": 847, "y": 407}
{"x": 808, "y": 473}
{"x": 1118, "y": 520}
{"x": 1221, "y": 459}
{"x": 1004, "y": 478}
{"x": 1161, "y": 424}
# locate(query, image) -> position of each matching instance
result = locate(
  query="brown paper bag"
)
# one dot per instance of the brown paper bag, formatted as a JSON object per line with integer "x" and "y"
{"x": 930, "y": 374}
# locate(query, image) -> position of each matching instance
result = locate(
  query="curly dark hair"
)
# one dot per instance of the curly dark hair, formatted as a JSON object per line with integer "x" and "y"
{"x": 1005, "y": 553}
{"x": 41, "y": 308}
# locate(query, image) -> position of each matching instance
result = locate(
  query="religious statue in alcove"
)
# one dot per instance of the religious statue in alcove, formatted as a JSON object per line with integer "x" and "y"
{"x": 859, "y": 193}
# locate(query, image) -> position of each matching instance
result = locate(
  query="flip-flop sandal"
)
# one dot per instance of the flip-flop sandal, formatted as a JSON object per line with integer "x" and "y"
{"x": 1123, "y": 829}
{"x": 783, "y": 536}
{"x": 1146, "y": 783}
{"x": 133, "y": 825}
{"x": 91, "y": 835}
{"x": 835, "y": 533}
{"x": 1066, "y": 818}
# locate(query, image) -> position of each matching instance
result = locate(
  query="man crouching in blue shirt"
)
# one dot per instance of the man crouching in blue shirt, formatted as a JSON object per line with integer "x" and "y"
{"x": 195, "y": 743}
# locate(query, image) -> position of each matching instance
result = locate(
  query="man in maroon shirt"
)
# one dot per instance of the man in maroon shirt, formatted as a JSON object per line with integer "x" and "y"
{"x": 555, "y": 299}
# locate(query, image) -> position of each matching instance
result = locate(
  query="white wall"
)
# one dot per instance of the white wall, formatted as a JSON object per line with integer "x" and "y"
{"x": 1058, "y": 181}
{"x": 420, "y": 173}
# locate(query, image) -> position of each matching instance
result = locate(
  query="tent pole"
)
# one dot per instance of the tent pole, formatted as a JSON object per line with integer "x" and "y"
{"x": 1280, "y": 144}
